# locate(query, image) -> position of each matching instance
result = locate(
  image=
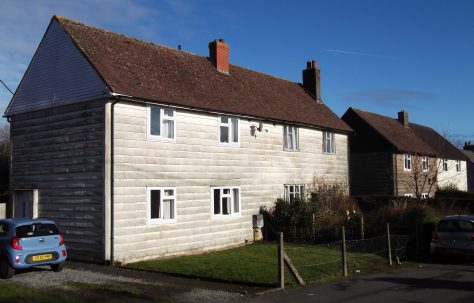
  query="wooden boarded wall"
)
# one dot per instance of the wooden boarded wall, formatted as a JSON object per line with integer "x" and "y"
{"x": 193, "y": 164}
{"x": 60, "y": 152}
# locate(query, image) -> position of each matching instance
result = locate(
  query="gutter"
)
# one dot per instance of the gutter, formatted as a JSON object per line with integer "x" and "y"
{"x": 216, "y": 112}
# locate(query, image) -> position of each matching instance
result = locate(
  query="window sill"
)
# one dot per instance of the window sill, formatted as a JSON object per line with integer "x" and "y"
{"x": 160, "y": 139}
{"x": 225, "y": 217}
{"x": 291, "y": 150}
{"x": 229, "y": 144}
{"x": 160, "y": 222}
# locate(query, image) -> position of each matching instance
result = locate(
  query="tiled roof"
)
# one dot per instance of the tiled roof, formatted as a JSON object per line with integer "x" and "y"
{"x": 157, "y": 73}
{"x": 404, "y": 139}
{"x": 443, "y": 147}
{"x": 415, "y": 138}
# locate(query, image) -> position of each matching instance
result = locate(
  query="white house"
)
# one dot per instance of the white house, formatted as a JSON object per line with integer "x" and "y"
{"x": 139, "y": 150}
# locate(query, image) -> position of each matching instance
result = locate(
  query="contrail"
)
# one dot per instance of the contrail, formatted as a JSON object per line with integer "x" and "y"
{"x": 345, "y": 52}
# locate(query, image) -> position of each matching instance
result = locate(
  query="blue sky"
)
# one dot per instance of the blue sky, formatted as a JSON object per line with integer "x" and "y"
{"x": 375, "y": 55}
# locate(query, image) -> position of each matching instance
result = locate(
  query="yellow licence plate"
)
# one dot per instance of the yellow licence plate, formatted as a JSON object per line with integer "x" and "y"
{"x": 42, "y": 257}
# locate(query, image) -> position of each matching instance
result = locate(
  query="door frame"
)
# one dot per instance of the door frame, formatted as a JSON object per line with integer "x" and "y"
{"x": 35, "y": 201}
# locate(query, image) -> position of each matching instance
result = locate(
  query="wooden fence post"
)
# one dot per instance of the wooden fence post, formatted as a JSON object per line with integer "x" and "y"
{"x": 362, "y": 232}
{"x": 281, "y": 262}
{"x": 344, "y": 255}
{"x": 389, "y": 245}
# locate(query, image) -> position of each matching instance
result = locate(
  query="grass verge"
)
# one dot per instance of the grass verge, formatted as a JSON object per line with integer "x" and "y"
{"x": 257, "y": 264}
{"x": 12, "y": 292}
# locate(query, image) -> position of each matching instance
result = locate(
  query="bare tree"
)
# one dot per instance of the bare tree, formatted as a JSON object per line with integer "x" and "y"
{"x": 421, "y": 178}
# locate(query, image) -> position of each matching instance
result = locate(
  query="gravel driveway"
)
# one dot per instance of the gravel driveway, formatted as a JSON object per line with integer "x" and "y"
{"x": 112, "y": 284}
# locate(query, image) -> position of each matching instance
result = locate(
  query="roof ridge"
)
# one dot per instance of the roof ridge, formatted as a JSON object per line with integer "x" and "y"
{"x": 60, "y": 18}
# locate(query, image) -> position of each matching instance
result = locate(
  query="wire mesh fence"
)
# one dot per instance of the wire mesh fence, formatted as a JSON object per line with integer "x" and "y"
{"x": 319, "y": 262}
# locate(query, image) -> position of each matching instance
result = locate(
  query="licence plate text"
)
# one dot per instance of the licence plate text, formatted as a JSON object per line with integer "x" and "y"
{"x": 42, "y": 257}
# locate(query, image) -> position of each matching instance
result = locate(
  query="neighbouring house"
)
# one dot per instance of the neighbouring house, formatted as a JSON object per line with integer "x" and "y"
{"x": 393, "y": 157}
{"x": 468, "y": 150}
{"x": 139, "y": 150}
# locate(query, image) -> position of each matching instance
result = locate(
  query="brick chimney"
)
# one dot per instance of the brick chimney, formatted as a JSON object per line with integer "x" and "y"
{"x": 311, "y": 81}
{"x": 468, "y": 146}
{"x": 219, "y": 55}
{"x": 403, "y": 118}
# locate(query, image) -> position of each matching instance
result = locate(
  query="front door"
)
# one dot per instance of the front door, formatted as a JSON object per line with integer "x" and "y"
{"x": 23, "y": 202}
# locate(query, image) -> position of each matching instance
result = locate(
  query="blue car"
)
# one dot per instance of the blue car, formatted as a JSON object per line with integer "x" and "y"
{"x": 30, "y": 242}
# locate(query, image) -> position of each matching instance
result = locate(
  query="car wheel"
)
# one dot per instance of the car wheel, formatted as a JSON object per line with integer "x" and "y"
{"x": 57, "y": 267}
{"x": 6, "y": 271}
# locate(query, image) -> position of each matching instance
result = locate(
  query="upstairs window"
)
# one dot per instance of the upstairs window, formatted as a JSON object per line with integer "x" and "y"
{"x": 161, "y": 123}
{"x": 445, "y": 164}
{"x": 225, "y": 201}
{"x": 228, "y": 131}
{"x": 458, "y": 165}
{"x": 328, "y": 143}
{"x": 408, "y": 195}
{"x": 290, "y": 137}
{"x": 161, "y": 205}
{"x": 407, "y": 162}
{"x": 425, "y": 195}
{"x": 425, "y": 164}
{"x": 293, "y": 191}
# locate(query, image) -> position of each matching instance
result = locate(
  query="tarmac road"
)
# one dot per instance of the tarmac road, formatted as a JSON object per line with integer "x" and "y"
{"x": 425, "y": 283}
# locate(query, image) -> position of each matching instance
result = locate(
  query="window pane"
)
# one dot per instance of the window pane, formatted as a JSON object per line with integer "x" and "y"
{"x": 290, "y": 139}
{"x": 224, "y": 120}
{"x": 217, "y": 201}
{"x": 168, "y": 112}
{"x": 169, "y": 193}
{"x": 236, "y": 200}
{"x": 285, "y": 137}
{"x": 155, "y": 196}
{"x": 224, "y": 134}
{"x": 168, "y": 209}
{"x": 155, "y": 121}
{"x": 333, "y": 150}
{"x": 226, "y": 191}
{"x": 225, "y": 206}
{"x": 168, "y": 129}
{"x": 235, "y": 129}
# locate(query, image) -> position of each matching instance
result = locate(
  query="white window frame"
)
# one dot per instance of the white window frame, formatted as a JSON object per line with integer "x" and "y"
{"x": 329, "y": 142}
{"x": 407, "y": 163}
{"x": 408, "y": 195}
{"x": 287, "y": 130}
{"x": 230, "y": 130}
{"x": 152, "y": 221}
{"x": 233, "y": 213}
{"x": 458, "y": 165}
{"x": 425, "y": 195}
{"x": 425, "y": 164}
{"x": 445, "y": 164}
{"x": 162, "y": 119}
{"x": 298, "y": 189}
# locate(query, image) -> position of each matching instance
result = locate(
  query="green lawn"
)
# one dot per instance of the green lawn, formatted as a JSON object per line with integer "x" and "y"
{"x": 257, "y": 263}
{"x": 12, "y": 292}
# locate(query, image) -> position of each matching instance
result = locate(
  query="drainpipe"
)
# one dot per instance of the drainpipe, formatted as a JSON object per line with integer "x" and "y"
{"x": 112, "y": 177}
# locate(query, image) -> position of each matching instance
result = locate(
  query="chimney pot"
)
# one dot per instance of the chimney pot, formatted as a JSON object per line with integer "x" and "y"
{"x": 314, "y": 64}
{"x": 308, "y": 64}
{"x": 219, "y": 55}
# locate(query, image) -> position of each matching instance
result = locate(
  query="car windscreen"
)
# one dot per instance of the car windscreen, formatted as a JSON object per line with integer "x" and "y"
{"x": 455, "y": 226}
{"x": 36, "y": 230}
